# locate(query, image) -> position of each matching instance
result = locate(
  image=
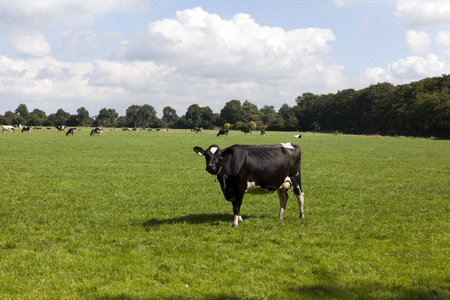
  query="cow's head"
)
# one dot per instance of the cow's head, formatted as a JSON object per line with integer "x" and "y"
{"x": 213, "y": 156}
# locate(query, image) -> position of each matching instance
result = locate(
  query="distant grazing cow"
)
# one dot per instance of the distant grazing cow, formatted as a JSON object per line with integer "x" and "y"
{"x": 223, "y": 132}
{"x": 97, "y": 130}
{"x": 61, "y": 128}
{"x": 263, "y": 132}
{"x": 247, "y": 131}
{"x": 26, "y": 128}
{"x": 244, "y": 169}
{"x": 71, "y": 131}
{"x": 299, "y": 136}
{"x": 198, "y": 129}
{"x": 8, "y": 128}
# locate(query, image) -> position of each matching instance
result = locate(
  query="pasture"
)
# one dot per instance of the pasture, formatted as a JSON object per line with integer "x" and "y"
{"x": 134, "y": 215}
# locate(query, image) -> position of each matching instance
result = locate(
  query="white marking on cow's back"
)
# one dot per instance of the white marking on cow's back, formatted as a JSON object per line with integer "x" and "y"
{"x": 213, "y": 150}
{"x": 288, "y": 145}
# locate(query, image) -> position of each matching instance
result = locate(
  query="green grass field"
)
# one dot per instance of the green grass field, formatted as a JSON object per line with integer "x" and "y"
{"x": 134, "y": 215}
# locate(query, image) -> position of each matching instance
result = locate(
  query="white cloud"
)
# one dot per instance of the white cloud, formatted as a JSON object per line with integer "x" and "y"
{"x": 418, "y": 13}
{"x": 442, "y": 42}
{"x": 407, "y": 70}
{"x": 418, "y": 67}
{"x": 29, "y": 44}
{"x": 195, "y": 57}
{"x": 40, "y": 15}
{"x": 350, "y": 2}
{"x": 417, "y": 41}
{"x": 86, "y": 42}
{"x": 373, "y": 75}
{"x": 43, "y": 78}
{"x": 239, "y": 49}
{"x": 130, "y": 75}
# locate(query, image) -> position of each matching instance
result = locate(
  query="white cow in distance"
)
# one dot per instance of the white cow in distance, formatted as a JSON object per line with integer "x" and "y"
{"x": 8, "y": 128}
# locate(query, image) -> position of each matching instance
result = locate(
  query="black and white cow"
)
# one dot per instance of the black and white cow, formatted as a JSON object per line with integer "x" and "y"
{"x": 263, "y": 132}
{"x": 61, "y": 128}
{"x": 222, "y": 132}
{"x": 247, "y": 131}
{"x": 8, "y": 128}
{"x": 250, "y": 169}
{"x": 298, "y": 136}
{"x": 26, "y": 128}
{"x": 71, "y": 131}
{"x": 97, "y": 130}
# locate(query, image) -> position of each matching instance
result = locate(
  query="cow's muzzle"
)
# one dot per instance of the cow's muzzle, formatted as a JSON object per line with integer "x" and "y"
{"x": 211, "y": 169}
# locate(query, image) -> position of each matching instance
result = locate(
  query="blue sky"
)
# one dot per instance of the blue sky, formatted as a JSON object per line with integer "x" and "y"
{"x": 70, "y": 54}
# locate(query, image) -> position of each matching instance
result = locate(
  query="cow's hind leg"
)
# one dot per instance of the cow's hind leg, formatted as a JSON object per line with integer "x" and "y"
{"x": 283, "y": 196}
{"x": 300, "y": 200}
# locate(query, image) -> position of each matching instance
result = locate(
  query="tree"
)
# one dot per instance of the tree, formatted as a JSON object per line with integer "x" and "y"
{"x": 207, "y": 117}
{"x": 61, "y": 117}
{"x": 9, "y": 117}
{"x": 194, "y": 115}
{"x": 82, "y": 116}
{"x": 268, "y": 115}
{"x": 22, "y": 111}
{"x": 146, "y": 116}
{"x": 232, "y": 112}
{"x": 107, "y": 117}
{"x": 169, "y": 116}
{"x": 309, "y": 112}
{"x": 36, "y": 118}
{"x": 240, "y": 125}
{"x": 132, "y": 115}
{"x": 251, "y": 112}
{"x": 290, "y": 121}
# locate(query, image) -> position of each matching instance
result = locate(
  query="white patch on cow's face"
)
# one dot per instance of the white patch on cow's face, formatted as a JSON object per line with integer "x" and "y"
{"x": 288, "y": 145}
{"x": 213, "y": 150}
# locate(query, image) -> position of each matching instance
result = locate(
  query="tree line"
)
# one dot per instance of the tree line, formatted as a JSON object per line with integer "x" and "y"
{"x": 419, "y": 108}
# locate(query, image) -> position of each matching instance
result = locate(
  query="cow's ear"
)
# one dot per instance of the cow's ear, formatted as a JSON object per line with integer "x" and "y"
{"x": 199, "y": 151}
{"x": 226, "y": 152}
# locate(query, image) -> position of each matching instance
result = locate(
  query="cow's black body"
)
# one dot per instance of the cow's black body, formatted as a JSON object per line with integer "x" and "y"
{"x": 244, "y": 169}
{"x": 222, "y": 132}
{"x": 96, "y": 130}
{"x": 71, "y": 131}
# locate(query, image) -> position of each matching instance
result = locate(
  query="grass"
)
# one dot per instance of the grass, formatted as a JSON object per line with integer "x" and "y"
{"x": 134, "y": 215}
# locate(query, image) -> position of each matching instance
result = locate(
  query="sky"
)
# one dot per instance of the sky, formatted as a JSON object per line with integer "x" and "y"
{"x": 117, "y": 53}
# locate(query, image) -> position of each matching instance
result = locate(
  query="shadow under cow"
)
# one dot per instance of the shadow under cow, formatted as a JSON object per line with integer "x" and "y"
{"x": 213, "y": 219}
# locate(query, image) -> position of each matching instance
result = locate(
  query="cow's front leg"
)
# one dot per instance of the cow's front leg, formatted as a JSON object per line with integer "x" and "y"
{"x": 237, "y": 211}
{"x": 283, "y": 196}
